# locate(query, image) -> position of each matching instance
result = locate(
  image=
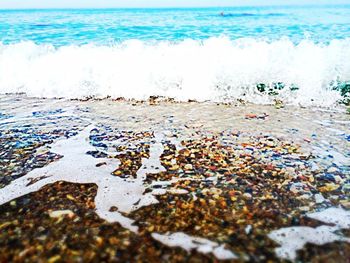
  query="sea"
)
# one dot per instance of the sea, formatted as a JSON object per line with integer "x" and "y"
{"x": 175, "y": 135}
{"x": 297, "y": 54}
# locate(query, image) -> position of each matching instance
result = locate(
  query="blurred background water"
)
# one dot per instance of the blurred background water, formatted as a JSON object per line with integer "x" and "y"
{"x": 105, "y": 26}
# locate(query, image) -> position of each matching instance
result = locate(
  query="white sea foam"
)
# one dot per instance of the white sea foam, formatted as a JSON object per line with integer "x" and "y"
{"x": 77, "y": 167}
{"x": 292, "y": 239}
{"x": 189, "y": 243}
{"x": 215, "y": 69}
{"x": 113, "y": 192}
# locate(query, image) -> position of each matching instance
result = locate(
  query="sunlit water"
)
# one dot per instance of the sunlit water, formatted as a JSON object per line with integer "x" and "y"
{"x": 270, "y": 55}
{"x": 107, "y": 26}
{"x": 300, "y": 54}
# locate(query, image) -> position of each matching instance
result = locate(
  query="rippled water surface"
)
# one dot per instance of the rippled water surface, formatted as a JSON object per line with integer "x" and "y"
{"x": 106, "y": 26}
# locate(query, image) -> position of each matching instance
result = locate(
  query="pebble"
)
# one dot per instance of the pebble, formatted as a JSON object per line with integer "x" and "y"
{"x": 54, "y": 259}
{"x": 338, "y": 179}
{"x": 332, "y": 169}
{"x": 329, "y": 187}
{"x": 247, "y": 196}
{"x": 248, "y": 229}
{"x": 188, "y": 167}
{"x": 319, "y": 198}
{"x": 216, "y": 201}
{"x": 345, "y": 203}
{"x": 60, "y": 213}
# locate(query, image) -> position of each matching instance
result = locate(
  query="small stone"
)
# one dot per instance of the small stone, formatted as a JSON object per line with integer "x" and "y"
{"x": 174, "y": 167}
{"x": 319, "y": 198}
{"x": 233, "y": 198}
{"x": 54, "y": 259}
{"x": 251, "y": 116}
{"x": 117, "y": 173}
{"x": 114, "y": 241}
{"x": 70, "y": 197}
{"x": 329, "y": 187}
{"x": 126, "y": 243}
{"x": 248, "y": 229}
{"x": 304, "y": 208}
{"x": 60, "y": 213}
{"x": 345, "y": 203}
{"x": 5, "y": 225}
{"x": 332, "y": 170}
{"x": 100, "y": 164}
{"x": 304, "y": 196}
{"x": 338, "y": 179}
{"x": 177, "y": 191}
{"x": 99, "y": 241}
{"x": 188, "y": 167}
{"x": 279, "y": 105}
{"x": 42, "y": 238}
{"x": 247, "y": 196}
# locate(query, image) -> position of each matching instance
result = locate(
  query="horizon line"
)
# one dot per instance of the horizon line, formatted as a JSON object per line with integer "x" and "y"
{"x": 172, "y": 7}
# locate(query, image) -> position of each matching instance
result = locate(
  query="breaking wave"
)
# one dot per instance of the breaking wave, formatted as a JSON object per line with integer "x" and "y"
{"x": 216, "y": 69}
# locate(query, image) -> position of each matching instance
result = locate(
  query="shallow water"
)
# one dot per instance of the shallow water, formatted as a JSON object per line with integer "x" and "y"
{"x": 314, "y": 128}
{"x": 145, "y": 157}
{"x": 113, "y": 148}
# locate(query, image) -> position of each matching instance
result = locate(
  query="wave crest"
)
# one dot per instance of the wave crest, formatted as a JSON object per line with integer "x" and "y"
{"x": 217, "y": 69}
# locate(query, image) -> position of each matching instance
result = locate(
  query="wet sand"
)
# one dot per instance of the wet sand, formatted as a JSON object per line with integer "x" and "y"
{"x": 162, "y": 181}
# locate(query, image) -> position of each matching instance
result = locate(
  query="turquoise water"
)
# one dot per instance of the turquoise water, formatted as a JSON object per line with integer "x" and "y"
{"x": 105, "y": 26}
{"x": 300, "y": 55}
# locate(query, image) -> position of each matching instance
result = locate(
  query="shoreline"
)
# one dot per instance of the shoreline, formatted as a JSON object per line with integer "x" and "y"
{"x": 223, "y": 178}
{"x": 164, "y": 100}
